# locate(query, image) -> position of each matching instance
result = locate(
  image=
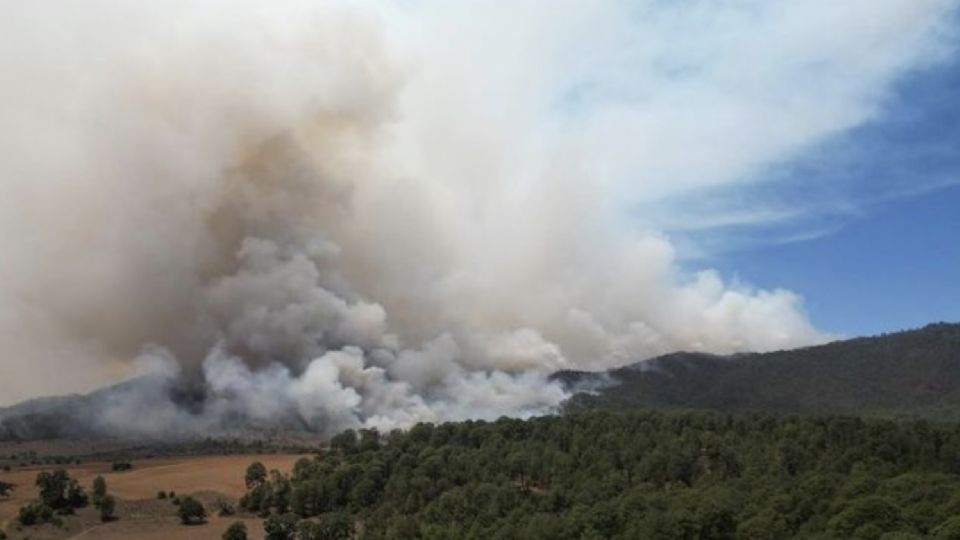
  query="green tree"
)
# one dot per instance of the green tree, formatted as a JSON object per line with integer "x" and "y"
{"x": 764, "y": 526}
{"x": 335, "y": 526}
{"x": 256, "y": 475}
{"x": 330, "y": 526}
{"x": 53, "y": 488}
{"x": 345, "y": 443}
{"x": 33, "y": 513}
{"x": 948, "y": 530}
{"x": 303, "y": 469}
{"x": 870, "y": 510}
{"x": 224, "y": 508}
{"x": 76, "y": 496}
{"x": 280, "y": 498}
{"x": 369, "y": 440}
{"x": 309, "y": 530}
{"x": 28, "y": 515}
{"x": 281, "y": 527}
{"x": 236, "y": 531}
{"x": 107, "y": 506}
{"x": 596, "y": 474}
{"x": 99, "y": 490}
{"x": 258, "y": 499}
{"x": 191, "y": 511}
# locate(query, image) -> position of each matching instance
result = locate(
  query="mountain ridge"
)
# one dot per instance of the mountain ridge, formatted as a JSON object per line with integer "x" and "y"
{"x": 907, "y": 374}
{"x": 911, "y": 373}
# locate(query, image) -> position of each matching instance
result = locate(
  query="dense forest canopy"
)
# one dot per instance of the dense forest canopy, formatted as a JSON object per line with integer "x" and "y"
{"x": 638, "y": 475}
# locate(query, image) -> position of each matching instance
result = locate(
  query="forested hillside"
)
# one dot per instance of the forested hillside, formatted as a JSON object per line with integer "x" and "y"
{"x": 906, "y": 374}
{"x": 640, "y": 475}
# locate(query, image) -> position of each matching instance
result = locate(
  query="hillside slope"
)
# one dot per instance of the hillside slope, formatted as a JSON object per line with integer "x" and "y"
{"x": 906, "y": 374}
{"x": 94, "y": 415}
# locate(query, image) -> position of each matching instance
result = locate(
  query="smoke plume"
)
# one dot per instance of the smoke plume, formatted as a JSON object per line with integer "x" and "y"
{"x": 358, "y": 214}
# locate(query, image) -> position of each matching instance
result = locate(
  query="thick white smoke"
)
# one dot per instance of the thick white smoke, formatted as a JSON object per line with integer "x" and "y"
{"x": 374, "y": 214}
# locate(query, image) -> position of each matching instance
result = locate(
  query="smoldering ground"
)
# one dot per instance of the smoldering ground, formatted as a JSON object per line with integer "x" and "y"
{"x": 372, "y": 214}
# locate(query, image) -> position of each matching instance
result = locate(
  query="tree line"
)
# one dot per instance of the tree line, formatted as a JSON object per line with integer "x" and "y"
{"x": 597, "y": 475}
{"x": 61, "y": 495}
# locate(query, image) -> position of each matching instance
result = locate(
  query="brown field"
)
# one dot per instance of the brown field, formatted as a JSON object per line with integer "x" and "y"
{"x": 141, "y": 514}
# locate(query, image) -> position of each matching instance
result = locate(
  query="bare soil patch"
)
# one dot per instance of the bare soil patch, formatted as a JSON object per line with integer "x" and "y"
{"x": 141, "y": 515}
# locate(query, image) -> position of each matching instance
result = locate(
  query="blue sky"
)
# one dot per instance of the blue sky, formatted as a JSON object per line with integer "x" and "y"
{"x": 878, "y": 246}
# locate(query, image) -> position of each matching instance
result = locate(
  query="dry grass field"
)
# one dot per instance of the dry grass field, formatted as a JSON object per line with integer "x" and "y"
{"x": 141, "y": 514}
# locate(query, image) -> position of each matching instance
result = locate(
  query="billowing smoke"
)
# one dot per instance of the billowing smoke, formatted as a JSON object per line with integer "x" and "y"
{"x": 353, "y": 214}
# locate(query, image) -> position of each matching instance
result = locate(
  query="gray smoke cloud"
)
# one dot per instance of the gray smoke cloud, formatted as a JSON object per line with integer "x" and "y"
{"x": 372, "y": 214}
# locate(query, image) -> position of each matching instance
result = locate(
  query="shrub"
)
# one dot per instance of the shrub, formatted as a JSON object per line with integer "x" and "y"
{"x": 948, "y": 530}
{"x": 256, "y": 475}
{"x": 224, "y": 508}
{"x": 99, "y": 490}
{"x": 107, "y": 506}
{"x": 282, "y": 527}
{"x": 161, "y": 494}
{"x": 120, "y": 466}
{"x": 34, "y": 513}
{"x": 53, "y": 487}
{"x": 76, "y": 497}
{"x": 335, "y": 525}
{"x": 60, "y": 492}
{"x": 330, "y": 526}
{"x": 237, "y": 531}
{"x": 191, "y": 511}
{"x": 28, "y": 515}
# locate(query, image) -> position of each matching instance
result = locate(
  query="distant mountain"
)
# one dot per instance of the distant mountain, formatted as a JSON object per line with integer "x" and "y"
{"x": 914, "y": 373}
{"x": 907, "y": 374}
{"x": 147, "y": 407}
{"x": 41, "y": 418}
{"x": 74, "y": 415}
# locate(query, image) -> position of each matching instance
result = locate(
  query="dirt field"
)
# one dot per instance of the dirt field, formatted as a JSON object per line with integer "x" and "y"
{"x": 142, "y": 515}
{"x": 170, "y": 529}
